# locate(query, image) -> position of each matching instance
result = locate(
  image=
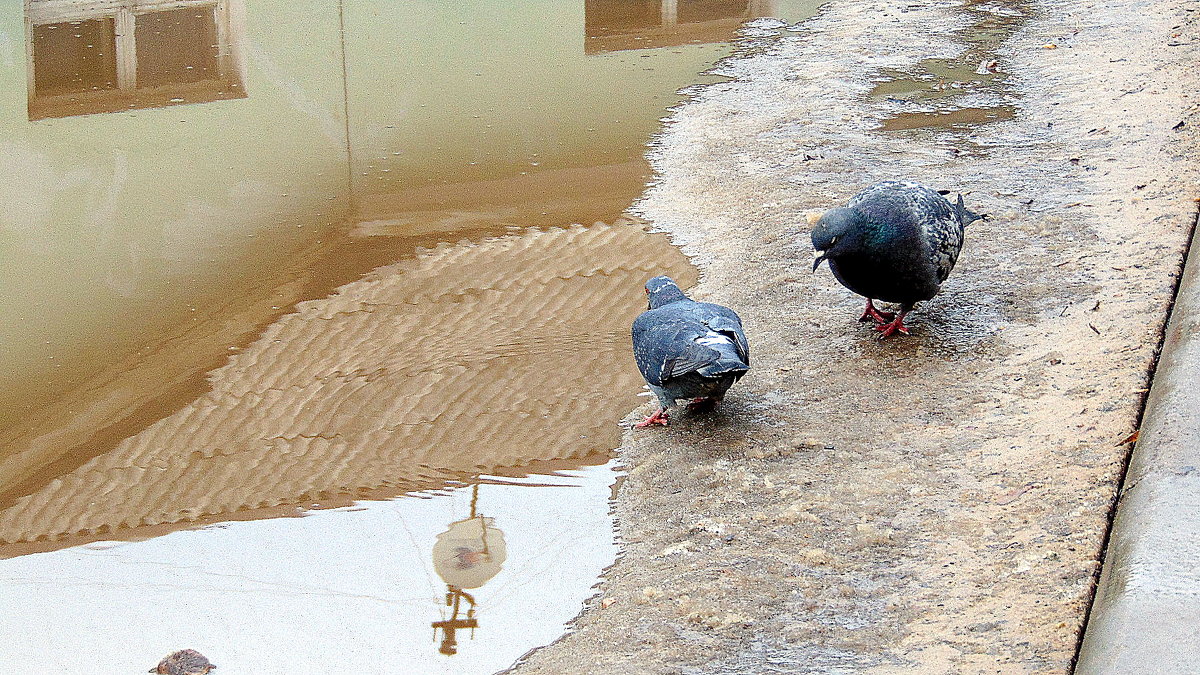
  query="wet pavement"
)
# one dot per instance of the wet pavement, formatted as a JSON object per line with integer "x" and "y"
{"x": 256, "y": 289}
{"x": 959, "y": 93}
{"x": 930, "y": 504}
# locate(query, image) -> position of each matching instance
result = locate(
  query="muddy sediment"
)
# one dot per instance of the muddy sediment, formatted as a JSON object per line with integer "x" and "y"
{"x": 930, "y": 504}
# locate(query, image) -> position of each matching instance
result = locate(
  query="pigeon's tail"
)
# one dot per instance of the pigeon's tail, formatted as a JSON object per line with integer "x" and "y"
{"x": 727, "y": 361}
{"x": 965, "y": 215}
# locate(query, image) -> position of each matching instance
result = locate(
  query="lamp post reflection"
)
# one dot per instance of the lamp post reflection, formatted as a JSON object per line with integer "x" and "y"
{"x": 466, "y": 556}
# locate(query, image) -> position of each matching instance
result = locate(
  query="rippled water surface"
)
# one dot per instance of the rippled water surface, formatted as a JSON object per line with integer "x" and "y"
{"x": 300, "y": 259}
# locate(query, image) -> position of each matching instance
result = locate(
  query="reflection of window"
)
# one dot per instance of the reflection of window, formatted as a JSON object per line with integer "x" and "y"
{"x": 613, "y": 25}
{"x": 70, "y": 59}
{"x": 695, "y": 11}
{"x": 606, "y": 17}
{"x": 177, "y": 46}
{"x": 89, "y": 56}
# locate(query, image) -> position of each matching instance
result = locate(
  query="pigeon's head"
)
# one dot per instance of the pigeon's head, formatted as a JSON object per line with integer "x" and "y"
{"x": 662, "y": 290}
{"x": 835, "y": 232}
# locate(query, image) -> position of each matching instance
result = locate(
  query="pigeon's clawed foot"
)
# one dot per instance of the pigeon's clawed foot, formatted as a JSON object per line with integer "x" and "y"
{"x": 894, "y": 326}
{"x": 659, "y": 417}
{"x": 703, "y": 404}
{"x": 871, "y": 313}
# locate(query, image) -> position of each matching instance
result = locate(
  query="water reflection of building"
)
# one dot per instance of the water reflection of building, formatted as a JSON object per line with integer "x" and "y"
{"x": 90, "y": 56}
{"x": 615, "y": 25}
{"x": 466, "y": 556}
{"x": 452, "y": 141}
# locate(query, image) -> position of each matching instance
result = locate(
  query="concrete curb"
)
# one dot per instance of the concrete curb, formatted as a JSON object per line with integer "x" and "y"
{"x": 1146, "y": 611}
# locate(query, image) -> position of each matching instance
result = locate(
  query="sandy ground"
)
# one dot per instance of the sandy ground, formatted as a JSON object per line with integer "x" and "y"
{"x": 930, "y": 504}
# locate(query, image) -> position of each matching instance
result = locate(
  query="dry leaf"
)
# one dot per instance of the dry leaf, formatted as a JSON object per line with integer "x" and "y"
{"x": 1012, "y": 495}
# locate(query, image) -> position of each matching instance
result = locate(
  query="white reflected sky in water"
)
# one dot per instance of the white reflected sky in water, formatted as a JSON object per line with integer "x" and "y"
{"x": 340, "y": 591}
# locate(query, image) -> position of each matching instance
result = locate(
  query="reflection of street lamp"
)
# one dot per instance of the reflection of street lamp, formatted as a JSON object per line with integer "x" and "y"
{"x": 467, "y": 555}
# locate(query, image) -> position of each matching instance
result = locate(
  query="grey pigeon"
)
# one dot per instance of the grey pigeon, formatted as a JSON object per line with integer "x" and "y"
{"x": 183, "y": 662}
{"x": 687, "y": 349}
{"x": 895, "y": 241}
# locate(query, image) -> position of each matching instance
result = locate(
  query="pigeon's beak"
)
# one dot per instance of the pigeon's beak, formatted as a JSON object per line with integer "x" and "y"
{"x": 818, "y": 258}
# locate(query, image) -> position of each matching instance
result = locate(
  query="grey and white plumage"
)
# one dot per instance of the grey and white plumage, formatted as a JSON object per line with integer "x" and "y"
{"x": 895, "y": 241}
{"x": 687, "y": 349}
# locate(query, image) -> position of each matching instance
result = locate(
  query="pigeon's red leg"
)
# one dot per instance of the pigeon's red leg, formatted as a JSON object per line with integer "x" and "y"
{"x": 872, "y": 313}
{"x": 703, "y": 404}
{"x": 895, "y": 326}
{"x": 659, "y": 417}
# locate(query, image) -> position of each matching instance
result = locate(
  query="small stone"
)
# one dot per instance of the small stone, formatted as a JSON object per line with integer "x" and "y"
{"x": 816, "y": 556}
{"x": 183, "y": 662}
{"x": 869, "y": 534}
{"x": 807, "y": 443}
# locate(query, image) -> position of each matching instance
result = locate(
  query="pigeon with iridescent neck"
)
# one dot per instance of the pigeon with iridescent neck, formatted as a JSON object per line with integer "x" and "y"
{"x": 894, "y": 241}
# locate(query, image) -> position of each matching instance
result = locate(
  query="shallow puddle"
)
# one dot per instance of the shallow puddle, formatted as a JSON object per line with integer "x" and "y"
{"x": 465, "y": 582}
{"x": 957, "y": 94}
{"x": 140, "y": 246}
{"x": 248, "y": 276}
{"x": 482, "y": 356}
{"x": 957, "y": 118}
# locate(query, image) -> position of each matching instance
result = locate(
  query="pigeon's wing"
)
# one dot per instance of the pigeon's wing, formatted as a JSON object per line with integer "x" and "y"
{"x": 899, "y": 202}
{"x": 939, "y": 226}
{"x": 920, "y": 211}
{"x": 887, "y": 199}
{"x": 942, "y": 230}
{"x": 664, "y": 345}
{"x": 689, "y": 356}
{"x": 645, "y": 351}
{"x": 726, "y": 321}
{"x": 945, "y": 246}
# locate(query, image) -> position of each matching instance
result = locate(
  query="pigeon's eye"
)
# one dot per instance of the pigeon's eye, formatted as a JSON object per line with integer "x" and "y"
{"x": 833, "y": 241}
